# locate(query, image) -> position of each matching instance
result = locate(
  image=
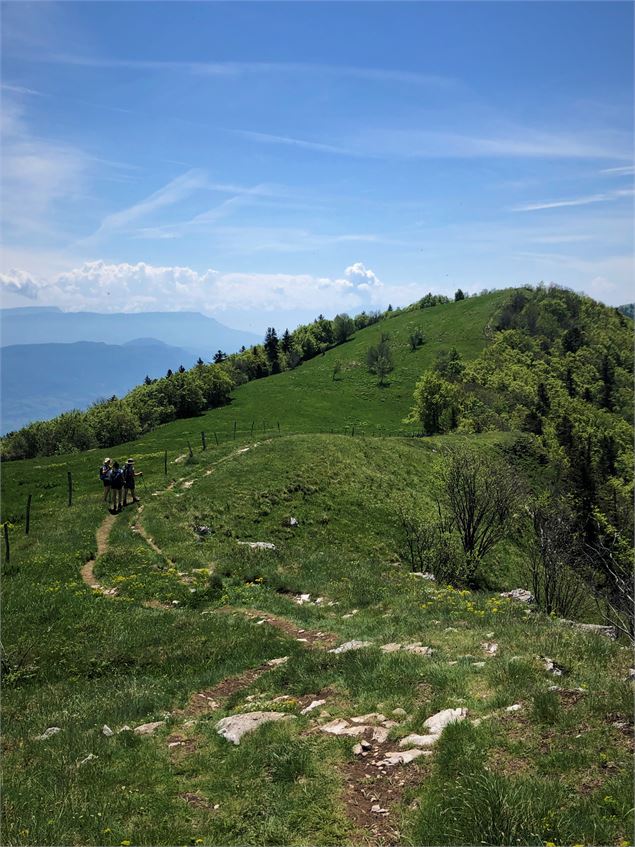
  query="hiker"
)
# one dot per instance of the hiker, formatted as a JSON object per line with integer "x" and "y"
{"x": 129, "y": 475}
{"x": 116, "y": 485}
{"x": 104, "y": 476}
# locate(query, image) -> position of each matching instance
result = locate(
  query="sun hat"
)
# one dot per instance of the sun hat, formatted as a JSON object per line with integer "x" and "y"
{"x": 130, "y": 462}
{"x": 107, "y": 461}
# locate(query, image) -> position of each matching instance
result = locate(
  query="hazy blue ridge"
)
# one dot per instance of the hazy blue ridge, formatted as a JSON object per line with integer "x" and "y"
{"x": 199, "y": 334}
{"x": 40, "y": 381}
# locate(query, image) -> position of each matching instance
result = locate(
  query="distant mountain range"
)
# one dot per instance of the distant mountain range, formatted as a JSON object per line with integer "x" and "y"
{"x": 192, "y": 331}
{"x": 52, "y": 361}
{"x": 627, "y": 309}
{"x": 40, "y": 381}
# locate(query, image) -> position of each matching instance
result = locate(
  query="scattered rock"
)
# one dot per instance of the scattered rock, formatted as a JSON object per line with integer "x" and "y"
{"x": 490, "y": 647}
{"x": 415, "y": 647}
{"x": 107, "y": 731}
{"x": 292, "y": 522}
{"x": 339, "y": 726}
{"x": 358, "y": 750}
{"x": 599, "y": 629}
{"x": 89, "y": 758}
{"x": 389, "y": 724}
{"x": 371, "y": 718}
{"x": 399, "y": 712}
{"x": 148, "y": 728}
{"x": 124, "y": 728}
{"x": 415, "y": 740}
{"x": 351, "y": 645}
{"x": 551, "y": 666}
{"x": 282, "y": 698}
{"x": 631, "y": 673}
{"x": 438, "y": 722}
{"x": 275, "y": 663}
{"x": 403, "y": 757}
{"x": 380, "y": 734}
{"x": 429, "y": 576}
{"x": 520, "y": 594}
{"x": 377, "y": 810}
{"x": 202, "y": 530}
{"x": 258, "y": 545}
{"x": 478, "y": 664}
{"x": 515, "y": 708}
{"x": 48, "y": 733}
{"x": 312, "y": 705}
{"x": 235, "y": 726}
{"x": 303, "y": 598}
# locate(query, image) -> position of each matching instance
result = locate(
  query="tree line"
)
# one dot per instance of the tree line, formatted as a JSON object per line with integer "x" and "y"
{"x": 185, "y": 392}
{"x": 559, "y": 370}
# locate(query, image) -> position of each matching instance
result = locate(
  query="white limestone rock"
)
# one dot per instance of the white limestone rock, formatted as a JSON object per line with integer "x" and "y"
{"x": 234, "y": 727}
{"x": 435, "y": 724}
{"x": 148, "y": 728}
{"x": 351, "y": 645}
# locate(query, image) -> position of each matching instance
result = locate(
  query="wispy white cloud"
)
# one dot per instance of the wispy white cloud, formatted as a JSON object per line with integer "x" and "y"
{"x": 233, "y": 69}
{"x": 429, "y": 144}
{"x": 575, "y": 201}
{"x": 20, "y": 89}
{"x": 627, "y": 170}
{"x": 173, "y": 192}
{"x": 288, "y": 141}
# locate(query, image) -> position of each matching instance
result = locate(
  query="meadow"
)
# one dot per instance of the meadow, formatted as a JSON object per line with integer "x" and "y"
{"x": 184, "y": 621}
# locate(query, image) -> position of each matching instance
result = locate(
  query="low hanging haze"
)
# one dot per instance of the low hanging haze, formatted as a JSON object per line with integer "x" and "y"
{"x": 265, "y": 162}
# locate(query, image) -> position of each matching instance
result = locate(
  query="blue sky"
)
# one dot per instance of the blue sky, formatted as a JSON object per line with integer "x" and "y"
{"x": 264, "y": 162}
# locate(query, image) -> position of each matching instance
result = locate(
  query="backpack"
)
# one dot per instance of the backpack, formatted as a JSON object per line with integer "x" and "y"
{"x": 116, "y": 478}
{"x": 128, "y": 475}
{"x": 104, "y": 473}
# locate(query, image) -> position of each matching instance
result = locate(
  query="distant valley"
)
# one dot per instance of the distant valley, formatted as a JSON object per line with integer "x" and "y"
{"x": 53, "y": 361}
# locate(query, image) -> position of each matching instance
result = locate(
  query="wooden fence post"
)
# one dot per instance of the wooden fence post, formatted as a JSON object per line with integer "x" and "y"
{"x": 216, "y": 437}
{"x": 70, "y": 489}
{"x": 204, "y": 441}
{"x": 252, "y": 427}
{"x": 234, "y": 430}
{"x": 27, "y": 525}
{"x": 7, "y": 549}
{"x": 189, "y": 447}
{"x": 165, "y": 462}
{"x": 278, "y": 427}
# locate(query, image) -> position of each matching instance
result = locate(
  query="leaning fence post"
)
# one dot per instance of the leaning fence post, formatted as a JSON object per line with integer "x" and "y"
{"x": 252, "y": 427}
{"x": 70, "y": 489}
{"x": 165, "y": 462}
{"x": 7, "y": 549}
{"x": 189, "y": 447}
{"x": 234, "y": 430}
{"x": 28, "y": 515}
{"x": 353, "y": 431}
{"x": 278, "y": 426}
{"x": 216, "y": 437}
{"x": 203, "y": 441}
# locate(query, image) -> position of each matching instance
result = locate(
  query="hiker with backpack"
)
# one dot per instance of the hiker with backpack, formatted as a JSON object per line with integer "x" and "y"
{"x": 104, "y": 476}
{"x": 116, "y": 486}
{"x": 129, "y": 475}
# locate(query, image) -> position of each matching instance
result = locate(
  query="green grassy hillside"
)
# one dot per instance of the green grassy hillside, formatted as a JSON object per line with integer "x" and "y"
{"x": 308, "y": 399}
{"x": 138, "y": 617}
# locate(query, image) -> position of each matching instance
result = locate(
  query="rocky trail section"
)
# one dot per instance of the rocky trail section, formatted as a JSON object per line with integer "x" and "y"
{"x": 309, "y": 637}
